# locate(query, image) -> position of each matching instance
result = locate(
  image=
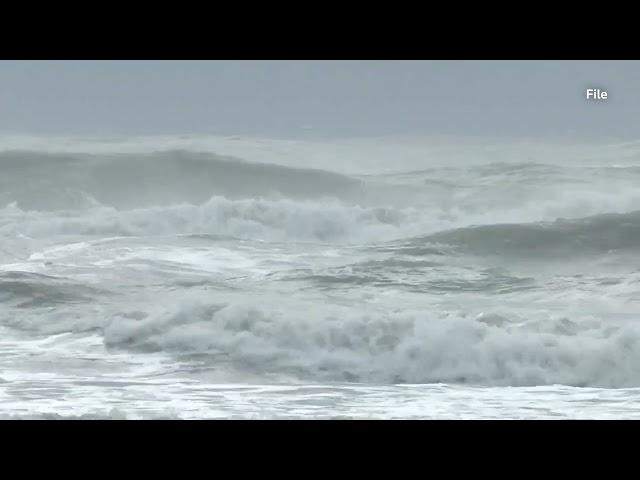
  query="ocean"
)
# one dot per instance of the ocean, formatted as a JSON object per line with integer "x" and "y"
{"x": 204, "y": 276}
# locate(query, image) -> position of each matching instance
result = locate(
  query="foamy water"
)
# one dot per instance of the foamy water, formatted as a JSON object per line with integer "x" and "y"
{"x": 218, "y": 277}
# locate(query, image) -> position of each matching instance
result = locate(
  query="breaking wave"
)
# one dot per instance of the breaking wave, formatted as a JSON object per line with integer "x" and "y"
{"x": 390, "y": 347}
{"x": 333, "y": 221}
{"x": 258, "y": 219}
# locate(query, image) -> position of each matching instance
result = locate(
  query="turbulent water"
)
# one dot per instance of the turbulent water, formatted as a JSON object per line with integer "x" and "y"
{"x": 225, "y": 277}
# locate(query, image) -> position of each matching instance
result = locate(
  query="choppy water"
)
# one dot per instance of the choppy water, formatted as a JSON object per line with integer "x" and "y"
{"x": 210, "y": 277}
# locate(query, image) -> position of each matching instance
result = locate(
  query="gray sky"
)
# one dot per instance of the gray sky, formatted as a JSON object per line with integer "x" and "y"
{"x": 334, "y": 98}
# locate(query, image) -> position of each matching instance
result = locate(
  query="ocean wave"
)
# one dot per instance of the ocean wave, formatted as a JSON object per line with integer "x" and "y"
{"x": 607, "y": 233}
{"x": 391, "y": 347}
{"x": 47, "y": 181}
{"x": 31, "y": 290}
{"x": 496, "y": 232}
{"x": 257, "y": 219}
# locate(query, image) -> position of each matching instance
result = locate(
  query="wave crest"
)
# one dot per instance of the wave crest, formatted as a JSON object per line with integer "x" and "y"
{"x": 258, "y": 219}
{"x": 46, "y": 181}
{"x": 606, "y": 233}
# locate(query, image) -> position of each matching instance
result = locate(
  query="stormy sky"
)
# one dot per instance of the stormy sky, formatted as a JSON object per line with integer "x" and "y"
{"x": 326, "y": 98}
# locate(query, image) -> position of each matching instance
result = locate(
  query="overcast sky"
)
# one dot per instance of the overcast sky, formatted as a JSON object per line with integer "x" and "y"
{"x": 335, "y": 98}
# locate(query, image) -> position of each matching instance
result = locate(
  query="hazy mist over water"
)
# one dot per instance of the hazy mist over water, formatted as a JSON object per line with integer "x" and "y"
{"x": 298, "y": 99}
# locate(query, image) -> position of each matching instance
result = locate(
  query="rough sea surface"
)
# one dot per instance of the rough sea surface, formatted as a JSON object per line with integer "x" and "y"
{"x": 228, "y": 277}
